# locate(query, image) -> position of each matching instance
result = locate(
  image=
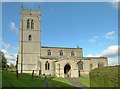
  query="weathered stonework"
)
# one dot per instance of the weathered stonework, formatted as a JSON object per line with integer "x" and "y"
{"x": 59, "y": 61}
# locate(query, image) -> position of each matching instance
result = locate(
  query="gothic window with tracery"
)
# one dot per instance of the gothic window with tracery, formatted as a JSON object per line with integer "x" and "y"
{"x": 49, "y": 53}
{"x": 80, "y": 65}
{"x": 61, "y": 53}
{"x": 47, "y": 65}
{"x": 72, "y": 53}
{"x": 32, "y": 24}
{"x": 100, "y": 64}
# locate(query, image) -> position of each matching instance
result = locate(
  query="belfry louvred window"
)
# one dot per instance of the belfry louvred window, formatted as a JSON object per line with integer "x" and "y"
{"x": 32, "y": 24}
{"x": 28, "y": 24}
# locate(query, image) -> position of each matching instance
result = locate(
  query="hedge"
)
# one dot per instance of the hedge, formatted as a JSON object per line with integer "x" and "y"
{"x": 105, "y": 77}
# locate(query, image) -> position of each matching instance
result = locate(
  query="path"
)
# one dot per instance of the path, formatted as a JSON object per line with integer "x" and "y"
{"x": 76, "y": 84}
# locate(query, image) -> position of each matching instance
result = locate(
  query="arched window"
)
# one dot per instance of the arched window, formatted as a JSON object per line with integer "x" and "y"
{"x": 28, "y": 24}
{"x": 47, "y": 65}
{"x": 100, "y": 64}
{"x": 90, "y": 66}
{"x": 32, "y": 24}
{"x": 72, "y": 53}
{"x": 29, "y": 37}
{"x": 80, "y": 65}
{"x": 49, "y": 53}
{"x": 61, "y": 53}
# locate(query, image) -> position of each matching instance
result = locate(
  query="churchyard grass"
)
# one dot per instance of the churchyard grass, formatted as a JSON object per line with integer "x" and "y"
{"x": 84, "y": 80}
{"x": 0, "y": 78}
{"x": 60, "y": 82}
{"x": 25, "y": 80}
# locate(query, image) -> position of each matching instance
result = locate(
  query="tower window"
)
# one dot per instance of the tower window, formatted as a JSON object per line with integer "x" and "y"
{"x": 49, "y": 53}
{"x": 32, "y": 24}
{"x": 29, "y": 37}
{"x": 72, "y": 53}
{"x": 47, "y": 65}
{"x": 28, "y": 24}
{"x": 61, "y": 53}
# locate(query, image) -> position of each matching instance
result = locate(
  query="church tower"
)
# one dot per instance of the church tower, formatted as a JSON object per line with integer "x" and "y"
{"x": 29, "y": 40}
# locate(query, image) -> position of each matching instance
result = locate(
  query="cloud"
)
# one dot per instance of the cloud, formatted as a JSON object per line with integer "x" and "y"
{"x": 114, "y": 3}
{"x": 9, "y": 47}
{"x": 110, "y": 35}
{"x": 5, "y": 49}
{"x": 113, "y": 61}
{"x": 93, "y": 39}
{"x": 10, "y": 58}
{"x": 111, "y": 52}
{"x": 6, "y": 46}
{"x": 13, "y": 27}
{"x": 91, "y": 55}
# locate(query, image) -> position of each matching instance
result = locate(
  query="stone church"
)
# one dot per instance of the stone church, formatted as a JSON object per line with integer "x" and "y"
{"x": 57, "y": 61}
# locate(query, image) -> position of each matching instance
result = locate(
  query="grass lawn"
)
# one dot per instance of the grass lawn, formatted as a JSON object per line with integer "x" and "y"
{"x": 85, "y": 80}
{"x": 0, "y": 79}
{"x": 25, "y": 80}
{"x": 56, "y": 82}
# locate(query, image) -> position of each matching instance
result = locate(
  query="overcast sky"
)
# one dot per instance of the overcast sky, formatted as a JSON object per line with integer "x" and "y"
{"x": 91, "y": 25}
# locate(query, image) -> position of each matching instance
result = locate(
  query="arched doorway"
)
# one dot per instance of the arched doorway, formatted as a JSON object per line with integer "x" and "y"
{"x": 67, "y": 70}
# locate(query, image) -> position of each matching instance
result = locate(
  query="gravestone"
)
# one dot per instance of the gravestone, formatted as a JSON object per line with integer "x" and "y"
{"x": 33, "y": 74}
{"x": 17, "y": 74}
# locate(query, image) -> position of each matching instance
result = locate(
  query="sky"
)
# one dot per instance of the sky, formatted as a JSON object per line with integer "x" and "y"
{"x": 91, "y": 25}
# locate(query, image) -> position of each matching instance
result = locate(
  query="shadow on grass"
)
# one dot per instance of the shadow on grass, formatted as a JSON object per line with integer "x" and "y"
{"x": 9, "y": 80}
{"x": 60, "y": 83}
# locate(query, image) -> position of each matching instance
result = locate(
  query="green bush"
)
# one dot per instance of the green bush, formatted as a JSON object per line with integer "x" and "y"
{"x": 105, "y": 77}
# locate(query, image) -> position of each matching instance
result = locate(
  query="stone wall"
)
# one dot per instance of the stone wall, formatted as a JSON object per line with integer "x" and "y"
{"x": 55, "y": 52}
{"x": 29, "y": 48}
{"x": 94, "y": 61}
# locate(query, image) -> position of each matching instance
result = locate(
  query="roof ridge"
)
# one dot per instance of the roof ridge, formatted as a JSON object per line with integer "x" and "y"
{"x": 59, "y": 47}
